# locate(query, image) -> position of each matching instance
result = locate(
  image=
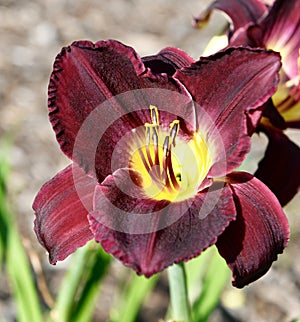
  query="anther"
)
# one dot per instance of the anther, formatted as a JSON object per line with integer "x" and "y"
{"x": 154, "y": 115}
{"x": 174, "y": 129}
{"x": 161, "y": 171}
{"x": 166, "y": 146}
{"x": 155, "y": 142}
{"x": 155, "y": 137}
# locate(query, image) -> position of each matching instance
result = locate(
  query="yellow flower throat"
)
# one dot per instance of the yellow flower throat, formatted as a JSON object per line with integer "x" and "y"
{"x": 172, "y": 168}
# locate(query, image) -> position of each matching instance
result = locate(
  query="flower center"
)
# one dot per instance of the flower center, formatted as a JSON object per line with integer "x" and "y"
{"x": 172, "y": 167}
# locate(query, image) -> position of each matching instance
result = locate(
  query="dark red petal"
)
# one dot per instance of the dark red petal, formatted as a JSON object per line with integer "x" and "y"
{"x": 294, "y": 124}
{"x": 249, "y": 36}
{"x": 282, "y": 28}
{"x": 271, "y": 112}
{"x": 225, "y": 87}
{"x": 241, "y": 12}
{"x": 280, "y": 167}
{"x": 261, "y": 231}
{"x": 149, "y": 235}
{"x": 61, "y": 209}
{"x": 85, "y": 75}
{"x": 168, "y": 60}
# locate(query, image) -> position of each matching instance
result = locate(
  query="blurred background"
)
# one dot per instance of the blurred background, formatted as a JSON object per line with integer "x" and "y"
{"x": 31, "y": 34}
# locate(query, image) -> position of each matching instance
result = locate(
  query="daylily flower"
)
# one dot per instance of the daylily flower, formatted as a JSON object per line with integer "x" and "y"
{"x": 276, "y": 27}
{"x": 240, "y": 12}
{"x": 154, "y": 142}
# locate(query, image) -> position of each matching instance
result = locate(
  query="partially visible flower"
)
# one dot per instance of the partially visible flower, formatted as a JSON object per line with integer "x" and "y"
{"x": 157, "y": 186}
{"x": 278, "y": 28}
{"x": 241, "y": 13}
{"x": 256, "y": 25}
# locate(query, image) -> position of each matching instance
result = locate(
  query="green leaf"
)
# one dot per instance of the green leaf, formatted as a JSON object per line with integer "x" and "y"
{"x": 20, "y": 276}
{"x": 4, "y": 172}
{"x": 13, "y": 254}
{"x": 97, "y": 266}
{"x": 196, "y": 269}
{"x": 132, "y": 298}
{"x": 214, "y": 281}
{"x": 81, "y": 286}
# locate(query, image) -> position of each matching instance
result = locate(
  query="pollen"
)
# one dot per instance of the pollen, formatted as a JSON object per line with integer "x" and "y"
{"x": 172, "y": 167}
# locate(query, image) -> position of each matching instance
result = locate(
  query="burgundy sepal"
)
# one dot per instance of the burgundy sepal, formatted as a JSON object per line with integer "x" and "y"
{"x": 261, "y": 232}
{"x": 61, "y": 209}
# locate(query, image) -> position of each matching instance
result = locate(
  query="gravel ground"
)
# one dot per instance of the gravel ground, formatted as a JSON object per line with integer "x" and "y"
{"x": 31, "y": 34}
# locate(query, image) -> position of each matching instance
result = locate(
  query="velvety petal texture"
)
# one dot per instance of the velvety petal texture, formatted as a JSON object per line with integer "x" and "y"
{"x": 84, "y": 76}
{"x": 280, "y": 167}
{"x": 272, "y": 114}
{"x": 238, "y": 70}
{"x": 256, "y": 25}
{"x": 168, "y": 60}
{"x": 61, "y": 209}
{"x": 241, "y": 12}
{"x": 147, "y": 253}
{"x": 281, "y": 29}
{"x": 261, "y": 232}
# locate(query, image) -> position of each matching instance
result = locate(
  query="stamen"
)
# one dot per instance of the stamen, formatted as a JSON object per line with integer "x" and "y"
{"x": 166, "y": 145}
{"x": 161, "y": 171}
{"x": 148, "y": 137}
{"x": 140, "y": 143}
{"x": 174, "y": 129}
{"x": 165, "y": 164}
{"x": 171, "y": 171}
{"x": 144, "y": 160}
{"x": 154, "y": 115}
{"x": 155, "y": 136}
{"x": 155, "y": 142}
{"x": 148, "y": 133}
{"x": 286, "y": 103}
{"x": 155, "y": 123}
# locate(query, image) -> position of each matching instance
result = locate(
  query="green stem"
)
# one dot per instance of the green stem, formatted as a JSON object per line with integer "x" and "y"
{"x": 178, "y": 293}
